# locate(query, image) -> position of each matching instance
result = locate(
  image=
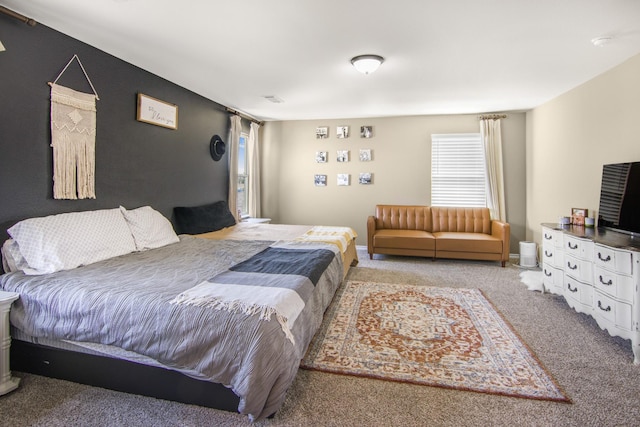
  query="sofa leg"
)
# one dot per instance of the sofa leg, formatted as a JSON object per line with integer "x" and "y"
{"x": 370, "y": 256}
{"x": 504, "y": 263}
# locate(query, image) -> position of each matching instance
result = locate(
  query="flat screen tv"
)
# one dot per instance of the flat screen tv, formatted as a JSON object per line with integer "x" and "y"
{"x": 620, "y": 197}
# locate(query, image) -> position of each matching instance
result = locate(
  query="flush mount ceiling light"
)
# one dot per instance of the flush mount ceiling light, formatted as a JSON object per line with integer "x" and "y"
{"x": 367, "y": 64}
{"x": 273, "y": 99}
{"x": 600, "y": 41}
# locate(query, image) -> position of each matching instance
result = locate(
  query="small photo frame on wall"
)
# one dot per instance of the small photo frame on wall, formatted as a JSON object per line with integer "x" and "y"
{"x": 320, "y": 180}
{"x": 342, "y": 132}
{"x": 344, "y": 179}
{"x": 366, "y": 178}
{"x": 322, "y": 156}
{"x": 578, "y": 215}
{"x": 322, "y": 132}
{"x": 156, "y": 112}
{"x": 366, "y": 131}
{"x": 365, "y": 154}
{"x": 343, "y": 156}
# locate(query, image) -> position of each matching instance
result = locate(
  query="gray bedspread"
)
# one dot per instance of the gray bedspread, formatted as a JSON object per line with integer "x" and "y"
{"x": 124, "y": 302}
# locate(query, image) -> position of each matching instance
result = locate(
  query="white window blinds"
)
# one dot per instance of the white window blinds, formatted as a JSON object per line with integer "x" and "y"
{"x": 457, "y": 170}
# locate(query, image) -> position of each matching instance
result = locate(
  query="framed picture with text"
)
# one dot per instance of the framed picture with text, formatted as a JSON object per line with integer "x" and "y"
{"x": 156, "y": 112}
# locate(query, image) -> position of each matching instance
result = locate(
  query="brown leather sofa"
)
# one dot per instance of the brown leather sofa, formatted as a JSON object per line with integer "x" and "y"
{"x": 437, "y": 232}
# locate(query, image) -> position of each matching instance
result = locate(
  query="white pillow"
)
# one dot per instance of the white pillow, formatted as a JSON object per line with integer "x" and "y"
{"x": 150, "y": 229}
{"x": 12, "y": 259}
{"x": 66, "y": 241}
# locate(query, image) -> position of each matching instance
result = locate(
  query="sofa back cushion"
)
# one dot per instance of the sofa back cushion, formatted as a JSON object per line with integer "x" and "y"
{"x": 403, "y": 217}
{"x": 467, "y": 220}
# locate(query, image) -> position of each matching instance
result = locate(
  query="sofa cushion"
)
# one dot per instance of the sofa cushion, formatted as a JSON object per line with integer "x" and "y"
{"x": 404, "y": 239}
{"x": 470, "y": 220}
{"x": 403, "y": 217}
{"x": 467, "y": 242}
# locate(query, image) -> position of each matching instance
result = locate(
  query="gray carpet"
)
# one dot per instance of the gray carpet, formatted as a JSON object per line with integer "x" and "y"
{"x": 595, "y": 370}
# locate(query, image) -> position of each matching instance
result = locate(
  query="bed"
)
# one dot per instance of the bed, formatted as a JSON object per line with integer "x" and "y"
{"x": 219, "y": 319}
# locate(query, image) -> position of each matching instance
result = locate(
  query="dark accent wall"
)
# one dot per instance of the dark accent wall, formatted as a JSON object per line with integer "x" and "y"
{"x": 136, "y": 163}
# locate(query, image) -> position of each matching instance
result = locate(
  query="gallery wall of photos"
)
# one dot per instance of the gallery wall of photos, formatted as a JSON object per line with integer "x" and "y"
{"x": 342, "y": 153}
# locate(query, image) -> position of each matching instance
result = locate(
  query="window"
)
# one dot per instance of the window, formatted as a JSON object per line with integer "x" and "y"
{"x": 457, "y": 170}
{"x": 243, "y": 176}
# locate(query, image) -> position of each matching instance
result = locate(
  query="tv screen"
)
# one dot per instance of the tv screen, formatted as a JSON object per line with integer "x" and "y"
{"x": 620, "y": 197}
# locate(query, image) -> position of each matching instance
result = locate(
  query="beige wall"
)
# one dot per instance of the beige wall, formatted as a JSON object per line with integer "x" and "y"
{"x": 572, "y": 136}
{"x": 401, "y": 168}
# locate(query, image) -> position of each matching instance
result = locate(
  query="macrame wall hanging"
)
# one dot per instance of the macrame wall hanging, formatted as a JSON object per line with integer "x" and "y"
{"x": 73, "y": 139}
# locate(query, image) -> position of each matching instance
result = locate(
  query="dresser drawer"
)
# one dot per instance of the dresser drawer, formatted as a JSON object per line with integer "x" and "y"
{"x": 580, "y": 248}
{"x": 612, "y": 311}
{"x": 613, "y": 259}
{"x": 578, "y": 268}
{"x": 615, "y": 285}
{"x": 553, "y": 278}
{"x": 552, "y": 255}
{"x": 552, "y": 237}
{"x": 578, "y": 292}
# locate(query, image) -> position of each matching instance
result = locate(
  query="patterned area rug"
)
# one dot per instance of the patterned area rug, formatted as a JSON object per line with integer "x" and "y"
{"x": 443, "y": 337}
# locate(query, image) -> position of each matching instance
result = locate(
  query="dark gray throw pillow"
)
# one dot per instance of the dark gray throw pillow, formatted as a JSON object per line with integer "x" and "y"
{"x": 202, "y": 219}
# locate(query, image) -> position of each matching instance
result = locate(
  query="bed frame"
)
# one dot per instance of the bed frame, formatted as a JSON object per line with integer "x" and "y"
{"x": 120, "y": 375}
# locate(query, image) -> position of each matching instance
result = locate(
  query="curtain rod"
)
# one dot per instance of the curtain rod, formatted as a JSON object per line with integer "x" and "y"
{"x": 244, "y": 116}
{"x": 492, "y": 117}
{"x": 16, "y": 15}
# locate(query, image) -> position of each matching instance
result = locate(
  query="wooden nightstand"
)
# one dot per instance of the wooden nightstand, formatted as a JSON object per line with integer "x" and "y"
{"x": 7, "y": 383}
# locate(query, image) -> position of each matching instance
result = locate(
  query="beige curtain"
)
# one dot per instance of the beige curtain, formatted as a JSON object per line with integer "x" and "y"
{"x": 234, "y": 141}
{"x": 492, "y": 143}
{"x": 253, "y": 164}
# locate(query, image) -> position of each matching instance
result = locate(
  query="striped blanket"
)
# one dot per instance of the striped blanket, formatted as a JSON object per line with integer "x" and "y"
{"x": 277, "y": 281}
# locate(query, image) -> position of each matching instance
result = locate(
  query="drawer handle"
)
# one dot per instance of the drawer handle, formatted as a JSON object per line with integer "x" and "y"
{"x": 572, "y": 290}
{"x": 575, "y": 267}
{"x": 546, "y": 236}
{"x": 607, "y": 259}
{"x": 602, "y": 308}
{"x": 609, "y": 283}
{"x": 572, "y": 247}
{"x": 548, "y": 254}
{"x": 547, "y": 274}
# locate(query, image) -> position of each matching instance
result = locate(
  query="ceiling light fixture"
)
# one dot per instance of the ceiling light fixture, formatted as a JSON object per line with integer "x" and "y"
{"x": 273, "y": 99}
{"x": 600, "y": 41}
{"x": 367, "y": 64}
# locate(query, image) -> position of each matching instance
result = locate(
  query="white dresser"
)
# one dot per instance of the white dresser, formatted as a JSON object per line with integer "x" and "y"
{"x": 598, "y": 273}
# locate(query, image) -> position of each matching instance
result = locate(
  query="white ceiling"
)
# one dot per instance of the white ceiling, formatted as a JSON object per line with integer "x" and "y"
{"x": 442, "y": 57}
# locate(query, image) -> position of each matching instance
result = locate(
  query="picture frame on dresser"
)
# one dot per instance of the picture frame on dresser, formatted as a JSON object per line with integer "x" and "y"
{"x": 578, "y": 215}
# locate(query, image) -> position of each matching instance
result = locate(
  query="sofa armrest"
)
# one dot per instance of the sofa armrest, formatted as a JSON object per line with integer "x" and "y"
{"x": 502, "y": 230}
{"x": 371, "y": 230}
